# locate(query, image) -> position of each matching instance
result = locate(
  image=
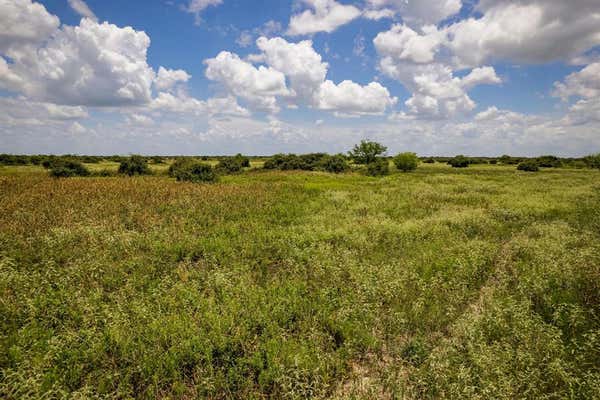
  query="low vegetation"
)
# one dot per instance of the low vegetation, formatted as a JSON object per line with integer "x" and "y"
{"x": 379, "y": 167}
{"x": 441, "y": 283}
{"x": 528, "y": 166}
{"x": 134, "y": 165}
{"x": 194, "y": 171}
{"x": 459, "y": 162}
{"x": 67, "y": 169}
{"x": 406, "y": 162}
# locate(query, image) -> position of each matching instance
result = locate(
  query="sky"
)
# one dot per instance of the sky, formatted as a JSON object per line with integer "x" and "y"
{"x": 217, "y": 77}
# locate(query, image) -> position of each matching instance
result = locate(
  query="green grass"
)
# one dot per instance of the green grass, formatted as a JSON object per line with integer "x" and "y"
{"x": 472, "y": 284}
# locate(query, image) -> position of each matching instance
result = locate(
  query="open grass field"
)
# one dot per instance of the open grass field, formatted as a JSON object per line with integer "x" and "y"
{"x": 473, "y": 284}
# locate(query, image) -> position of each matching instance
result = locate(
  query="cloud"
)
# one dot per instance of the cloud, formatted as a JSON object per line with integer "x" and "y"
{"x": 81, "y": 8}
{"x": 24, "y": 23}
{"x": 585, "y": 83}
{"x": 91, "y": 64}
{"x": 259, "y": 86}
{"x": 268, "y": 29}
{"x": 304, "y": 69}
{"x": 526, "y": 31}
{"x": 404, "y": 44}
{"x": 21, "y": 111}
{"x": 324, "y": 16}
{"x": 302, "y": 65}
{"x": 353, "y": 99}
{"x": 197, "y": 6}
{"x": 436, "y": 92}
{"x": 166, "y": 79}
{"x": 414, "y": 12}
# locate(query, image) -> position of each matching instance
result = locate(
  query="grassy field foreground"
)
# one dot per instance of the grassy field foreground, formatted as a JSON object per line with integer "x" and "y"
{"x": 474, "y": 284}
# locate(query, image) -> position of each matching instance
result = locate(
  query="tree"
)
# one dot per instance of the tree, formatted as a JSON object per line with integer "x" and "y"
{"x": 528, "y": 166}
{"x": 134, "y": 165}
{"x": 367, "y": 152}
{"x": 379, "y": 167}
{"x": 593, "y": 161}
{"x": 65, "y": 169}
{"x": 334, "y": 164}
{"x": 196, "y": 172}
{"x": 549, "y": 162}
{"x": 406, "y": 162}
{"x": 459, "y": 161}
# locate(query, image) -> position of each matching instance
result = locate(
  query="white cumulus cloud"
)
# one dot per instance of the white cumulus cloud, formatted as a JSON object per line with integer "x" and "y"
{"x": 82, "y": 9}
{"x": 323, "y": 16}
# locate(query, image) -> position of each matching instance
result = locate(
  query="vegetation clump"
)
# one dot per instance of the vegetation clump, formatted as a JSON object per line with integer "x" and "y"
{"x": 232, "y": 165}
{"x": 134, "y": 165}
{"x": 528, "y": 166}
{"x": 459, "y": 161}
{"x": 406, "y": 162}
{"x": 379, "y": 167}
{"x": 66, "y": 169}
{"x": 367, "y": 152}
{"x": 335, "y": 164}
{"x": 593, "y": 161}
{"x": 287, "y": 162}
{"x": 194, "y": 171}
{"x": 549, "y": 162}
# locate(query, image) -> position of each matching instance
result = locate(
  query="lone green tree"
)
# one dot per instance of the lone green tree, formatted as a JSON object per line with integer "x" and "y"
{"x": 367, "y": 152}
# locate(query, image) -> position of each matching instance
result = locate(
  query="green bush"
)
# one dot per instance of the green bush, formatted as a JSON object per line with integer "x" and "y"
{"x": 196, "y": 172}
{"x": 429, "y": 160}
{"x": 406, "y": 162}
{"x": 286, "y": 162}
{"x": 593, "y": 161}
{"x": 11, "y": 159}
{"x": 230, "y": 165}
{"x": 367, "y": 152}
{"x": 134, "y": 165}
{"x": 245, "y": 161}
{"x": 459, "y": 161}
{"x": 66, "y": 169}
{"x": 335, "y": 164}
{"x": 177, "y": 165}
{"x": 528, "y": 166}
{"x": 549, "y": 162}
{"x": 379, "y": 167}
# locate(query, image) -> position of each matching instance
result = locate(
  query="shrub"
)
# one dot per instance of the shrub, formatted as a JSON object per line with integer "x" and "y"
{"x": 10, "y": 159}
{"x": 177, "y": 165}
{"x": 379, "y": 167}
{"x": 459, "y": 161}
{"x": 196, "y": 172}
{"x": 335, "y": 164}
{"x": 367, "y": 152}
{"x": 429, "y": 160}
{"x": 157, "y": 160}
{"x": 508, "y": 160}
{"x": 549, "y": 162}
{"x": 406, "y": 162}
{"x": 593, "y": 161}
{"x": 528, "y": 166}
{"x": 493, "y": 161}
{"x": 243, "y": 160}
{"x": 67, "y": 169}
{"x": 306, "y": 162}
{"x": 230, "y": 165}
{"x": 134, "y": 165}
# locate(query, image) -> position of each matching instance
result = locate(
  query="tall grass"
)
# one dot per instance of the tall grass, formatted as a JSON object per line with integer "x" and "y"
{"x": 444, "y": 283}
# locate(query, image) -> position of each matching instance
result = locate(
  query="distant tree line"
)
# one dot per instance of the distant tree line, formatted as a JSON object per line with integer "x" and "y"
{"x": 367, "y": 156}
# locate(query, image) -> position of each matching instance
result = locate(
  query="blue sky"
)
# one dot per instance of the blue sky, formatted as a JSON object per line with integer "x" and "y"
{"x": 439, "y": 77}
